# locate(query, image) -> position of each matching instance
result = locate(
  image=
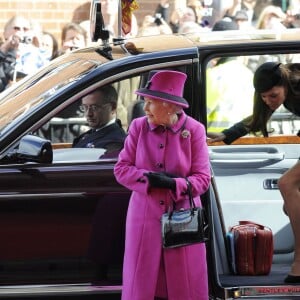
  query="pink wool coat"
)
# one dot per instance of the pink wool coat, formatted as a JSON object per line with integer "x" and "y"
{"x": 149, "y": 270}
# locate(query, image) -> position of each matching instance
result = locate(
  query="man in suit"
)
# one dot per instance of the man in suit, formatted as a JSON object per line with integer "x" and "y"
{"x": 106, "y": 131}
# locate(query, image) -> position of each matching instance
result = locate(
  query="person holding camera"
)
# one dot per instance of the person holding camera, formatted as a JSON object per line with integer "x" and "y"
{"x": 28, "y": 57}
{"x": 154, "y": 26}
{"x": 73, "y": 36}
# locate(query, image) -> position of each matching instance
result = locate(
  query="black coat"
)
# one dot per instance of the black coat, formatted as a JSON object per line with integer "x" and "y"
{"x": 110, "y": 137}
{"x": 7, "y": 67}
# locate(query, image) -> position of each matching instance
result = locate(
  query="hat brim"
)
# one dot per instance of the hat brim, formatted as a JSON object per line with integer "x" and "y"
{"x": 163, "y": 96}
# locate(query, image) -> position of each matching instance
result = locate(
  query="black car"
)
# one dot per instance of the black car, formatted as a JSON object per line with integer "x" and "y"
{"x": 62, "y": 213}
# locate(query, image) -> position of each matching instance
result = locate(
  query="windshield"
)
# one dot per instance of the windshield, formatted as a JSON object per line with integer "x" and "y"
{"x": 31, "y": 91}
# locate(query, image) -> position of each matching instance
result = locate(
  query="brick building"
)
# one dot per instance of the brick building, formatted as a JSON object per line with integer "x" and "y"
{"x": 52, "y": 15}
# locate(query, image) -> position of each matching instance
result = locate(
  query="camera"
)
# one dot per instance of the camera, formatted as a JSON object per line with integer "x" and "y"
{"x": 157, "y": 19}
{"x": 297, "y": 17}
{"x": 74, "y": 48}
{"x": 27, "y": 40}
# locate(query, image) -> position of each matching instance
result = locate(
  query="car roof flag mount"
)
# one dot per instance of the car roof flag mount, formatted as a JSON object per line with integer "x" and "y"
{"x": 97, "y": 29}
{"x": 120, "y": 38}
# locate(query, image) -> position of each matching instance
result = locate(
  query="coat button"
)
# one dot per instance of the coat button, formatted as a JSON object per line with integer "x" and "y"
{"x": 159, "y": 165}
{"x": 161, "y": 202}
{"x": 161, "y": 146}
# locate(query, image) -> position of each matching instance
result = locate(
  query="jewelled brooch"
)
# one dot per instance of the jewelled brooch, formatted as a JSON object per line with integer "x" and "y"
{"x": 185, "y": 133}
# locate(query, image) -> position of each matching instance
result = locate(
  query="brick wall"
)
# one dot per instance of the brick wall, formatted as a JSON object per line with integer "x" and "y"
{"x": 52, "y": 15}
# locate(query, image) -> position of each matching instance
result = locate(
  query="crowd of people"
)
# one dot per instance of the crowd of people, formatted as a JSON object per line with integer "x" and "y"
{"x": 25, "y": 47}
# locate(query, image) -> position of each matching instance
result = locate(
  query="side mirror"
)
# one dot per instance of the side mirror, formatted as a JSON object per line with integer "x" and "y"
{"x": 34, "y": 149}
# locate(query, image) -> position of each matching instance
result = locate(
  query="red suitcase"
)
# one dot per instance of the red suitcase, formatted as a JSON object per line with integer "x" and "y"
{"x": 253, "y": 248}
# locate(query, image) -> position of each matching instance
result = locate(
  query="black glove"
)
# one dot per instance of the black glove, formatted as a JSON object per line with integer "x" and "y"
{"x": 160, "y": 180}
{"x": 170, "y": 174}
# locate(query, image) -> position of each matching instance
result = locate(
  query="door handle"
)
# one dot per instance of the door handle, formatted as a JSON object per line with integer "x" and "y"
{"x": 246, "y": 156}
{"x": 270, "y": 184}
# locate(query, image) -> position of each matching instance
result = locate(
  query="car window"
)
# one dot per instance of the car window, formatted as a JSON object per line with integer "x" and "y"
{"x": 27, "y": 94}
{"x": 71, "y": 122}
{"x": 229, "y": 91}
{"x": 65, "y": 125}
{"x": 227, "y": 101}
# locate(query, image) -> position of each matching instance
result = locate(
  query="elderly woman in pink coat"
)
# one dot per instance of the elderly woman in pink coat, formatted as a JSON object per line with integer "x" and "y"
{"x": 161, "y": 149}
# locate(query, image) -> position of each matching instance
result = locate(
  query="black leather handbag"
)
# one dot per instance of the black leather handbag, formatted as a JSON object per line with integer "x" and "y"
{"x": 185, "y": 226}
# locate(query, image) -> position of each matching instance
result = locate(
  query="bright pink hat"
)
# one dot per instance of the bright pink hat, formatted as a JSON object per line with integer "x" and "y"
{"x": 165, "y": 85}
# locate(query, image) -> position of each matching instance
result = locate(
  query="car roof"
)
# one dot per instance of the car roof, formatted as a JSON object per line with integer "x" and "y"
{"x": 205, "y": 39}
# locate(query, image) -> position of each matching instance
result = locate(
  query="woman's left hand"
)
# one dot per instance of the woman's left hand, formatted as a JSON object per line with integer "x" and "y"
{"x": 161, "y": 180}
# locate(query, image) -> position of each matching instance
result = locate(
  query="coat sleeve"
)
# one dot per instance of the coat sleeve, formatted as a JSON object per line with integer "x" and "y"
{"x": 200, "y": 172}
{"x": 236, "y": 131}
{"x": 125, "y": 171}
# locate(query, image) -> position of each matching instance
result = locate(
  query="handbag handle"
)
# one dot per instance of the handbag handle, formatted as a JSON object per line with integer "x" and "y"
{"x": 191, "y": 199}
{"x": 189, "y": 190}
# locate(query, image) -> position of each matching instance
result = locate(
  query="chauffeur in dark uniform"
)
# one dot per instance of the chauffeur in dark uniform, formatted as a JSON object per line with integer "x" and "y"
{"x": 106, "y": 131}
